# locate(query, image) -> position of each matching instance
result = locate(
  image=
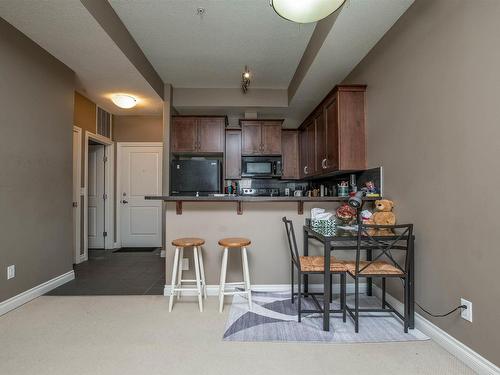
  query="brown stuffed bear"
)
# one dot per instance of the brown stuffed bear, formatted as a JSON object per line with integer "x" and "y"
{"x": 384, "y": 216}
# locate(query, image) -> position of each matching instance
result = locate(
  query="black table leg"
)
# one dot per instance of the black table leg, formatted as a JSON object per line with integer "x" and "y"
{"x": 369, "y": 258}
{"x": 411, "y": 302}
{"x": 306, "y": 253}
{"x": 326, "y": 288}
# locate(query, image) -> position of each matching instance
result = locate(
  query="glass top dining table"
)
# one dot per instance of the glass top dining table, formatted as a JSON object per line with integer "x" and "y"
{"x": 346, "y": 239}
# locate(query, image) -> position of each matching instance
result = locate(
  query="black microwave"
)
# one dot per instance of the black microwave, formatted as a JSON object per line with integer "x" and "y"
{"x": 261, "y": 167}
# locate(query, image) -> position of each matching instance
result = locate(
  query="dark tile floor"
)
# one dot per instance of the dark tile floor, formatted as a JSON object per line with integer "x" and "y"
{"x": 108, "y": 273}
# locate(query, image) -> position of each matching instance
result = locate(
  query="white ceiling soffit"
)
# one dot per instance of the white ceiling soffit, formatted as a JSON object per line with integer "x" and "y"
{"x": 211, "y": 51}
{"x": 357, "y": 28}
{"x": 69, "y": 32}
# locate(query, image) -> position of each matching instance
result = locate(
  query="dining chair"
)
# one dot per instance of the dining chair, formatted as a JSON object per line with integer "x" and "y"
{"x": 312, "y": 265}
{"x": 385, "y": 264}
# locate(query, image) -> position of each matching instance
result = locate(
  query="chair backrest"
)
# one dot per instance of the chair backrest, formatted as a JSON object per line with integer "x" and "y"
{"x": 292, "y": 242}
{"x": 382, "y": 239}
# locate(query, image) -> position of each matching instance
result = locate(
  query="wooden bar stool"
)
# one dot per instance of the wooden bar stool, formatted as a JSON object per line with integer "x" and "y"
{"x": 177, "y": 280}
{"x": 235, "y": 243}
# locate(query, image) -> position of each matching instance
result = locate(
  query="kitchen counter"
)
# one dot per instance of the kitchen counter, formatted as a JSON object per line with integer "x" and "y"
{"x": 239, "y": 199}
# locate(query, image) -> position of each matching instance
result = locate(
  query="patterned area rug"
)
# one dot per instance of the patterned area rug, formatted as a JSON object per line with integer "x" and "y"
{"x": 274, "y": 318}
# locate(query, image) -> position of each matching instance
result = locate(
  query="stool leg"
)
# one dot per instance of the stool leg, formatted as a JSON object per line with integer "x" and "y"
{"x": 202, "y": 270}
{"x": 174, "y": 276}
{"x": 222, "y": 279}
{"x": 246, "y": 276}
{"x": 179, "y": 272}
{"x": 198, "y": 277}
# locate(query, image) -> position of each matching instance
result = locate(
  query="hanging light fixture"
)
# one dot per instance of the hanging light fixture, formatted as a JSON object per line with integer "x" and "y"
{"x": 245, "y": 80}
{"x": 305, "y": 11}
{"x": 124, "y": 100}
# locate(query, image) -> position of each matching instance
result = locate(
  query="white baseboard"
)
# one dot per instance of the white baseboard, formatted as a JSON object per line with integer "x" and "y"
{"x": 37, "y": 291}
{"x": 163, "y": 253}
{"x": 468, "y": 356}
{"x": 213, "y": 290}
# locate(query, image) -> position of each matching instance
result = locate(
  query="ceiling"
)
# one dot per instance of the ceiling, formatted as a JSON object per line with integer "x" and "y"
{"x": 211, "y": 51}
{"x": 67, "y": 31}
{"x": 293, "y": 66}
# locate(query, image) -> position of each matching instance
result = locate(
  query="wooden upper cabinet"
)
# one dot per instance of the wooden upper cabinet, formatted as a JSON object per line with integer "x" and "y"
{"x": 335, "y": 133}
{"x": 332, "y": 136}
{"x": 184, "y": 134}
{"x": 320, "y": 151}
{"x": 251, "y": 138}
{"x": 302, "y": 153}
{"x": 197, "y": 134}
{"x": 261, "y": 137}
{"x": 290, "y": 152}
{"x": 271, "y": 137}
{"x": 211, "y": 134}
{"x": 232, "y": 155}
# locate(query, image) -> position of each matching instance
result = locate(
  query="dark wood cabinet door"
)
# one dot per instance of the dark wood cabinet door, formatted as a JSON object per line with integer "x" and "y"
{"x": 332, "y": 135}
{"x": 290, "y": 154}
{"x": 352, "y": 142}
{"x": 302, "y": 153}
{"x": 311, "y": 149}
{"x": 232, "y": 155}
{"x": 211, "y": 134}
{"x": 271, "y": 137}
{"x": 251, "y": 137}
{"x": 320, "y": 152}
{"x": 184, "y": 134}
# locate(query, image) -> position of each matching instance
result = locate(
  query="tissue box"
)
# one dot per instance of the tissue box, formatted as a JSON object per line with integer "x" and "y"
{"x": 325, "y": 227}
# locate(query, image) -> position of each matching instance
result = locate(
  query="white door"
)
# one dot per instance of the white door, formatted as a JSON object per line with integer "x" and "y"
{"x": 140, "y": 175}
{"x": 77, "y": 160}
{"x": 96, "y": 197}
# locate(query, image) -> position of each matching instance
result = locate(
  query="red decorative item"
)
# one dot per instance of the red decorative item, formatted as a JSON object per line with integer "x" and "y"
{"x": 346, "y": 213}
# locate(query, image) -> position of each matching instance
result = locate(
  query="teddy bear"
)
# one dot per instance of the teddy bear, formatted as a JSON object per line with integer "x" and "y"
{"x": 383, "y": 216}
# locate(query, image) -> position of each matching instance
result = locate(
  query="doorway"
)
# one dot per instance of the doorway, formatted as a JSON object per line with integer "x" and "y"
{"x": 98, "y": 220}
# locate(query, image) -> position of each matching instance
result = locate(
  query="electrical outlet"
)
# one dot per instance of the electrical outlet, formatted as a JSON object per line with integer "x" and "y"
{"x": 466, "y": 313}
{"x": 185, "y": 264}
{"x": 11, "y": 272}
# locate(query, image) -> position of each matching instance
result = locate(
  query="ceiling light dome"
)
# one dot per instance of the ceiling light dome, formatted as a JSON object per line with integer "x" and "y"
{"x": 124, "y": 100}
{"x": 305, "y": 11}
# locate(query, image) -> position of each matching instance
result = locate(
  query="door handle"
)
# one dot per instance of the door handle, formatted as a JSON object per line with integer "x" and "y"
{"x": 75, "y": 204}
{"x": 124, "y": 201}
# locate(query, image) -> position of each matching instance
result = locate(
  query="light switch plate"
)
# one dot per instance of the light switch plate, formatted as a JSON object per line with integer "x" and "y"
{"x": 11, "y": 272}
{"x": 185, "y": 264}
{"x": 466, "y": 313}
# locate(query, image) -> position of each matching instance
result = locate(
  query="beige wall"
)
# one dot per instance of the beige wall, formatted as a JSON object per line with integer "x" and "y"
{"x": 36, "y": 115}
{"x": 138, "y": 128}
{"x": 84, "y": 115}
{"x": 433, "y": 122}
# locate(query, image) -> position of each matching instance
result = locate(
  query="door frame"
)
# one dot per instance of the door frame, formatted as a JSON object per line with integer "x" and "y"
{"x": 78, "y": 234}
{"x": 109, "y": 172}
{"x": 119, "y": 148}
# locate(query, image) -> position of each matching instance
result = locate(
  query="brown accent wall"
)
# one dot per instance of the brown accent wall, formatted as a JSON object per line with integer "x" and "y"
{"x": 84, "y": 115}
{"x": 138, "y": 128}
{"x": 433, "y": 122}
{"x": 36, "y": 115}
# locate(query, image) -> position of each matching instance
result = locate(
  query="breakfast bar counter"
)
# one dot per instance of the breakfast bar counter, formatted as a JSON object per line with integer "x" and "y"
{"x": 240, "y": 199}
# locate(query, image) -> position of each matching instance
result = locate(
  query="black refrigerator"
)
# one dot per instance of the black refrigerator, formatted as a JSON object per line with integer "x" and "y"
{"x": 188, "y": 177}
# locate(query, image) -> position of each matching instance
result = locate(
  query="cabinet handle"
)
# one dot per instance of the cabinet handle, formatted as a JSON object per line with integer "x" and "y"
{"x": 324, "y": 163}
{"x": 305, "y": 169}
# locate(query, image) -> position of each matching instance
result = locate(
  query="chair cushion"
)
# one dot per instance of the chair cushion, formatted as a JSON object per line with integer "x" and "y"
{"x": 317, "y": 264}
{"x": 234, "y": 242}
{"x": 375, "y": 268}
{"x": 187, "y": 242}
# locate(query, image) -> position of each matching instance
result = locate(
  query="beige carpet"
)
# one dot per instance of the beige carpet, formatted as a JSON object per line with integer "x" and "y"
{"x": 136, "y": 335}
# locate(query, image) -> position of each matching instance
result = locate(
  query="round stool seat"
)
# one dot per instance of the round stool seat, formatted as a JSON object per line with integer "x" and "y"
{"x": 188, "y": 242}
{"x": 235, "y": 242}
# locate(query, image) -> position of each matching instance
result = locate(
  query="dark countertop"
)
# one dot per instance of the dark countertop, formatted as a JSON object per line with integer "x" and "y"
{"x": 239, "y": 198}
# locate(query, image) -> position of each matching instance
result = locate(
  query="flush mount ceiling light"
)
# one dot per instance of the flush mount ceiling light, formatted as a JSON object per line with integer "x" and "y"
{"x": 245, "y": 80}
{"x": 305, "y": 11}
{"x": 124, "y": 100}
